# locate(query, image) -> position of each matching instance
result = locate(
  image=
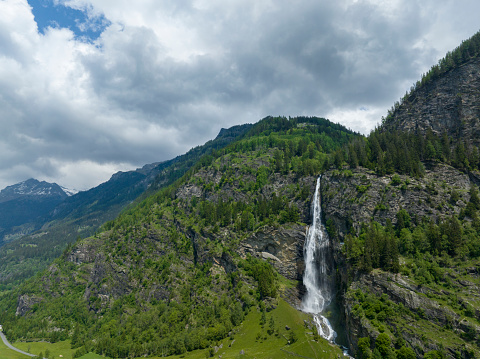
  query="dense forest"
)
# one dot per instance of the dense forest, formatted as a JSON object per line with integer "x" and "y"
{"x": 405, "y": 153}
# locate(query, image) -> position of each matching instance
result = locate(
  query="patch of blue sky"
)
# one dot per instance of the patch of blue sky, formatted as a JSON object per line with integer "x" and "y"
{"x": 84, "y": 23}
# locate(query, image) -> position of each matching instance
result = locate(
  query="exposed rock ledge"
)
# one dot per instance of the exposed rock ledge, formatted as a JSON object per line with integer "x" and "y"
{"x": 415, "y": 298}
{"x": 26, "y": 303}
{"x": 283, "y": 246}
{"x": 353, "y": 197}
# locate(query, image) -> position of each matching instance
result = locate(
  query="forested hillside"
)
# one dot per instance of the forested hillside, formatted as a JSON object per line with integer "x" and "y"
{"x": 183, "y": 268}
{"x": 79, "y": 216}
{"x": 402, "y": 207}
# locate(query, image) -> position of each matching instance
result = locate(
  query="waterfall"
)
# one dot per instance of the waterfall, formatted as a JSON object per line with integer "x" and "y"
{"x": 316, "y": 277}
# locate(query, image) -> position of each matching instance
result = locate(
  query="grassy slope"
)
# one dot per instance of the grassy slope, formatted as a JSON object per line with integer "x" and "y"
{"x": 56, "y": 349}
{"x": 7, "y": 353}
{"x": 249, "y": 337}
{"x": 273, "y": 346}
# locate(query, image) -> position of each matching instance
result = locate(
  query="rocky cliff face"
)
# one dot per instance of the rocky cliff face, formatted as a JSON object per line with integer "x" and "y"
{"x": 26, "y": 303}
{"x": 421, "y": 309}
{"x": 353, "y": 197}
{"x": 449, "y": 104}
{"x": 283, "y": 247}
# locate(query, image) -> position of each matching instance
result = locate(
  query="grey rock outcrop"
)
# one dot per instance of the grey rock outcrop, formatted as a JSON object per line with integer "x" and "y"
{"x": 350, "y": 198}
{"x": 25, "y": 303}
{"x": 450, "y": 104}
{"x": 418, "y": 300}
{"x": 283, "y": 247}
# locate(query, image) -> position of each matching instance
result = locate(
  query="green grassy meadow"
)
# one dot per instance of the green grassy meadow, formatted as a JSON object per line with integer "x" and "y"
{"x": 257, "y": 343}
{"x": 57, "y": 350}
{"x": 7, "y": 353}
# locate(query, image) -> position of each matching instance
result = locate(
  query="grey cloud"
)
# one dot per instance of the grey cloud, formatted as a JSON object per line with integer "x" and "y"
{"x": 127, "y": 100}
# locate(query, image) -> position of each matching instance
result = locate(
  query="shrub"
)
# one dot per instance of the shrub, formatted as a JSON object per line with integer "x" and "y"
{"x": 396, "y": 180}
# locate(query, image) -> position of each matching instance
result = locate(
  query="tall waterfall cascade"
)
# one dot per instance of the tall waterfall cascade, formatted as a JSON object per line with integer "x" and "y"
{"x": 318, "y": 284}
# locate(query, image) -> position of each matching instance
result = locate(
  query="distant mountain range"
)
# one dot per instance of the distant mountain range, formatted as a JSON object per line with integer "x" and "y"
{"x": 33, "y": 189}
{"x": 25, "y": 204}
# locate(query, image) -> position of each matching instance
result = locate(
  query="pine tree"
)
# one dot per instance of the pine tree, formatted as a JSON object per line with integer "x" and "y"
{"x": 364, "y": 351}
{"x": 474, "y": 199}
{"x": 434, "y": 238}
{"x": 454, "y": 234}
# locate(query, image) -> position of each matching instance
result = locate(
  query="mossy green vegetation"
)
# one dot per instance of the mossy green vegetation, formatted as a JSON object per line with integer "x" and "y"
{"x": 262, "y": 334}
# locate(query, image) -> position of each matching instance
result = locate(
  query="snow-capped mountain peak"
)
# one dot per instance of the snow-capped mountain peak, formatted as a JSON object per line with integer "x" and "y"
{"x": 32, "y": 188}
{"x": 69, "y": 191}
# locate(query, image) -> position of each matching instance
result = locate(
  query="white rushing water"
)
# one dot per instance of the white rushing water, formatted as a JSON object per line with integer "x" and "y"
{"x": 316, "y": 280}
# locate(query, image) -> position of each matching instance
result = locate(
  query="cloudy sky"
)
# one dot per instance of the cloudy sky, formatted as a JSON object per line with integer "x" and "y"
{"x": 91, "y": 87}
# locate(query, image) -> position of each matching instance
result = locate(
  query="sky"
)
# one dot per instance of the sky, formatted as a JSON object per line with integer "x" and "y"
{"x": 92, "y": 87}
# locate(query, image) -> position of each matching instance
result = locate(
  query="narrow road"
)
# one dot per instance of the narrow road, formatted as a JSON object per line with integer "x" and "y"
{"x": 6, "y": 342}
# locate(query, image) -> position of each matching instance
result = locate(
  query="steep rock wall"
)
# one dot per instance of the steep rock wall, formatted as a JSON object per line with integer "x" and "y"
{"x": 422, "y": 308}
{"x": 353, "y": 197}
{"x": 449, "y": 104}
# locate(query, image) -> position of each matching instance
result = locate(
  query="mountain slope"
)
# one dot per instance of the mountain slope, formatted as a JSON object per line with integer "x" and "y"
{"x": 32, "y": 188}
{"x": 449, "y": 104}
{"x": 83, "y": 213}
{"x": 181, "y": 270}
{"x": 404, "y": 217}
{"x": 124, "y": 187}
{"x": 409, "y": 263}
{"x": 446, "y": 99}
